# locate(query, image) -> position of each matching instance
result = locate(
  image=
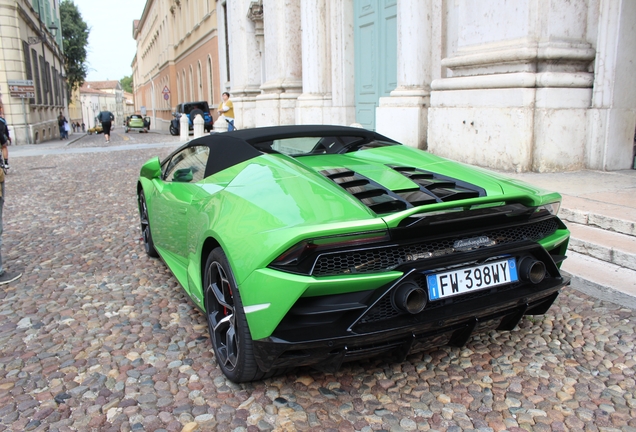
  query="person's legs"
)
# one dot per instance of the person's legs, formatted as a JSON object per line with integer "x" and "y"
{"x": 5, "y": 155}
{"x": 106, "y": 127}
{"x": 230, "y": 125}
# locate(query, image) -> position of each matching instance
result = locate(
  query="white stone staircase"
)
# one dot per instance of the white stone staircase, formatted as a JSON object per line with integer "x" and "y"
{"x": 602, "y": 251}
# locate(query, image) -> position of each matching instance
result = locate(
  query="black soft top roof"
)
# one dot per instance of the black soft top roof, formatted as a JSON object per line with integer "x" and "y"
{"x": 230, "y": 148}
{"x": 263, "y": 134}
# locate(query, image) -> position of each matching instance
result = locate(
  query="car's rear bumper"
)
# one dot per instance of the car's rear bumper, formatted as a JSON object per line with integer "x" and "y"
{"x": 453, "y": 324}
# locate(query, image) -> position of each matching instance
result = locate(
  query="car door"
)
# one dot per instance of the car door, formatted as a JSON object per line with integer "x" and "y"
{"x": 173, "y": 204}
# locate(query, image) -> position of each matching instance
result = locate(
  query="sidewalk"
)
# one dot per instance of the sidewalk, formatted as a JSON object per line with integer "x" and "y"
{"x": 600, "y": 210}
{"x": 62, "y": 146}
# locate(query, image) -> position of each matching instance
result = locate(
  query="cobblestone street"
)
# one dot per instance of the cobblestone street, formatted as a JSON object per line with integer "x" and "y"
{"x": 97, "y": 336}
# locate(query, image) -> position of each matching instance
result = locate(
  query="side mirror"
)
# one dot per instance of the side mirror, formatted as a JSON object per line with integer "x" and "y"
{"x": 151, "y": 169}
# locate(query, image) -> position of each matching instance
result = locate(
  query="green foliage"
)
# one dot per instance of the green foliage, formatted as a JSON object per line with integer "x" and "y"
{"x": 127, "y": 83}
{"x": 75, "y": 39}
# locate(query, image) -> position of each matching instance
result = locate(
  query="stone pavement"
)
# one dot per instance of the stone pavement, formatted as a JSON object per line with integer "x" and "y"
{"x": 96, "y": 336}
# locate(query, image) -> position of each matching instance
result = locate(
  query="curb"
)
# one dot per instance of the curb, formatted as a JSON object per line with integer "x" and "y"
{"x": 601, "y": 292}
{"x": 75, "y": 140}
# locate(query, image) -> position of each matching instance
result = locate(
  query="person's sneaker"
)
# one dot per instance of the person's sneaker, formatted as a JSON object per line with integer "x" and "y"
{"x": 8, "y": 277}
{"x": 6, "y": 165}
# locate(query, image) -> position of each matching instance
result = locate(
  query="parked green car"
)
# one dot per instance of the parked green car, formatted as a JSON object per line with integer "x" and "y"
{"x": 138, "y": 123}
{"x": 317, "y": 245}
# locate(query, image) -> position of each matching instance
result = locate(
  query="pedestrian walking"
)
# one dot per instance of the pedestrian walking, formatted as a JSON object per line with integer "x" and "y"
{"x": 67, "y": 129}
{"x": 60, "y": 123}
{"x": 83, "y": 126}
{"x": 74, "y": 127}
{"x": 107, "y": 118}
{"x": 226, "y": 109}
{"x": 5, "y": 139}
{"x": 5, "y": 276}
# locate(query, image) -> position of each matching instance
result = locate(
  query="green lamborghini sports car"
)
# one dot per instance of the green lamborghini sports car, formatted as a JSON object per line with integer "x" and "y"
{"x": 317, "y": 245}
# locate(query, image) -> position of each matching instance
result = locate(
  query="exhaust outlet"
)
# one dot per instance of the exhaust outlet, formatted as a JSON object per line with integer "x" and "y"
{"x": 409, "y": 297}
{"x": 531, "y": 270}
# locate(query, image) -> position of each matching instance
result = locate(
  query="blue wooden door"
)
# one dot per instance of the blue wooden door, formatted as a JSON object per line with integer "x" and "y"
{"x": 375, "y": 55}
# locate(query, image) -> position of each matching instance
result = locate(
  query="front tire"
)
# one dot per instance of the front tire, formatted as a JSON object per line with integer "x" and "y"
{"x": 173, "y": 130}
{"x": 229, "y": 332}
{"x": 146, "y": 235}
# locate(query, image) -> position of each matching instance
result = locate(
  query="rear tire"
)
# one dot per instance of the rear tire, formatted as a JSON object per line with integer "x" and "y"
{"x": 229, "y": 332}
{"x": 146, "y": 235}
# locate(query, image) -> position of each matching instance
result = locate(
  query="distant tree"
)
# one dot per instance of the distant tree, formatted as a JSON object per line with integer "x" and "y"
{"x": 75, "y": 39}
{"x": 127, "y": 83}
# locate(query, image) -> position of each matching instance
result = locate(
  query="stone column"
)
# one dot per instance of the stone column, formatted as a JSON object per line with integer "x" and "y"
{"x": 315, "y": 102}
{"x": 343, "y": 110}
{"x": 517, "y": 85}
{"x": 283, "y": 81}
{"x": 403, "y": 115}
{"x": 612, "y": 117}
{"x": 245, "y": 21}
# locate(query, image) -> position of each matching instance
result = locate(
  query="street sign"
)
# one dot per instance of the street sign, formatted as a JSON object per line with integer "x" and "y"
{"x": 165, "y": 91}
{"x": 20, "y": 82}
{"x": 166, "y": 96}
{"x": 21, "y": 88}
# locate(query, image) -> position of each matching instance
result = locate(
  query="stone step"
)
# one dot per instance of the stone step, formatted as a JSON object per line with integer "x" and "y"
{"x": 604, "y": 245}
{"x": 611, "y": 217}
{"x": 601, "y": 279}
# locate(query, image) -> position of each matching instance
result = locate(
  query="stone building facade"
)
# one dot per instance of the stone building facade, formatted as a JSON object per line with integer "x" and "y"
{"x": 30, "y": 49}
{"x": 177, "y": 57}
{"x": 520, "y": 85}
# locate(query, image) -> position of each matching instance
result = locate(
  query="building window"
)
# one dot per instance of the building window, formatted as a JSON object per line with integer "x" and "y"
{"x": 210, "y": 81}
{"x": 183, "y": 86}
{"x": 56, "y": 90}
{"x": 178, "y": 90}
{"x": 27, "y": 64}
{"x": 45, "y": 82}
{"x": 191, "y": 85}
{"x": 200, "y": 82}
{"x": 38, "y": 91}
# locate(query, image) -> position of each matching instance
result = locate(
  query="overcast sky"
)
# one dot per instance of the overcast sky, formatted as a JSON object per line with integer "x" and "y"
{"x": 111, "y": 47}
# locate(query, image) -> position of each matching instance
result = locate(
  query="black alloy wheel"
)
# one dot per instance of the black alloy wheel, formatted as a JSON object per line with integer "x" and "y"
{"x": 149, "y": 245}
{"x": 229, "y": 332}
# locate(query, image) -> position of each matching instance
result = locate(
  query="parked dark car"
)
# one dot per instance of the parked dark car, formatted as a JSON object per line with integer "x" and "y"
{"x": 187, "y": 109}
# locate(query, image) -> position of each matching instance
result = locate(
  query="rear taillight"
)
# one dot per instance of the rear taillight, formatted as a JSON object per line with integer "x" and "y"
{"x": 299, "y": 251}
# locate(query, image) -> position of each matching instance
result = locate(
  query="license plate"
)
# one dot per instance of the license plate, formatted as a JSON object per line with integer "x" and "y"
{"x": 456, "y": 282}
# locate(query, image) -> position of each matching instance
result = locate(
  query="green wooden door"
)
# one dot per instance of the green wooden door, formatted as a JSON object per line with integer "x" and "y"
{"x": 375, "y": 55}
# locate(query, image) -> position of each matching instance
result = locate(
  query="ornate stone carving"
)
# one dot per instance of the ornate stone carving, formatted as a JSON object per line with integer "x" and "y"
{"x": 255, "y": 11}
